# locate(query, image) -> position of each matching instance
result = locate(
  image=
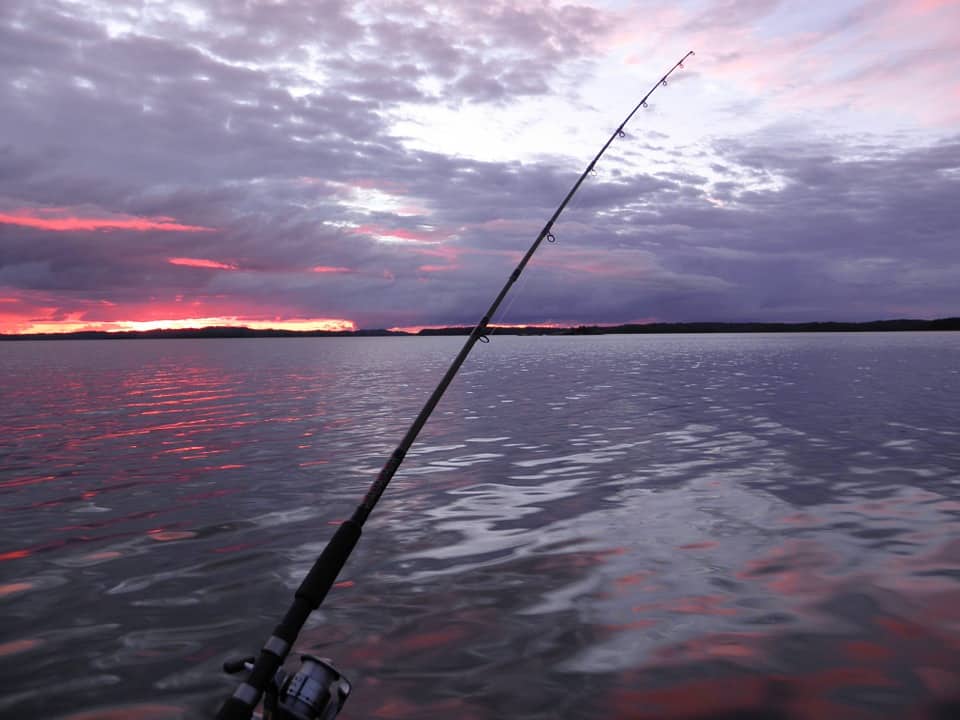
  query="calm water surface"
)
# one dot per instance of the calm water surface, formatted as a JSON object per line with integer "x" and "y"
{"x": 589, "y": 527}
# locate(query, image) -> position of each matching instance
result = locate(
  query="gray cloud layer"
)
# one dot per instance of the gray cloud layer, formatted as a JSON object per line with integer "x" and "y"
{"x": 258, "y": 120}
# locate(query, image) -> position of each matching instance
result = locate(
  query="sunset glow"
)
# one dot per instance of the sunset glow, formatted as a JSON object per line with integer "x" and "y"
{"x": 28, "y": 323}
{"x": 301, "y": 325}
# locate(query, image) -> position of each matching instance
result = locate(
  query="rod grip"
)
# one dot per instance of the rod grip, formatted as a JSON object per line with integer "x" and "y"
{"x": 308, "y": 597}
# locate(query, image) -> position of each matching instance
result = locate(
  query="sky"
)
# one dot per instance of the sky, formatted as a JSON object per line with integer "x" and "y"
{"x": 324, "y": 164}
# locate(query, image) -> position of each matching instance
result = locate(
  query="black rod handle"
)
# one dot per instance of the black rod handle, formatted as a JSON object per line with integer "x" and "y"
{"x": 309, "y": 595}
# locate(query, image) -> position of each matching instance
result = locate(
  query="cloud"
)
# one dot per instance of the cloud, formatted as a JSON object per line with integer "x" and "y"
{"x": 201, "y": 263}
{"x": 168, "y": 161}
{"x": 724, "y": 14}
{"x": 56, "y": 221}
{"x": 882, "y": 59}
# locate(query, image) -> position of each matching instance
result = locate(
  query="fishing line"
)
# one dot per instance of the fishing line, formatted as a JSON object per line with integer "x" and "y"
{"x": 318, "y": 690}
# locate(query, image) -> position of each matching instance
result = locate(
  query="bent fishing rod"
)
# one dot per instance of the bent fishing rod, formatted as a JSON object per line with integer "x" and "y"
{"x": 318, "y": 690}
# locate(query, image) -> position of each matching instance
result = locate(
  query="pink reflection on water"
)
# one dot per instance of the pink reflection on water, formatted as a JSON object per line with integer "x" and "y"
{"x": 884, "y": 600}
{"x": 694, "y": 605}
{"x": 685, "y": 701}
{"x": 132, "y": 712}
{"x": 170, "y": 535}
{"x": 15, "y": 647}
{"x": 637, "y": 578}
{"x": 312, "y": 463}
{"x": 13, "y": 588}
{"x": 399, "y": 708}
{"x": 23, "y": 482}
{"x": 795, "y": 568}
{"x": 730, "y": 645}
{"x": 102, "y": 556}
{"x": 239, "y": 547}
{"x": 705, "y": 545}
{"x": 190, "y": 448}
{"x": 825, "y": 693}
{"x": 15, "y": 554}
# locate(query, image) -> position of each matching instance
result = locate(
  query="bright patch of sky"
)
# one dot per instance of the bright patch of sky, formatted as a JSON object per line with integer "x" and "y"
{"x": 784, "y": 73}
{"x": 372, "y": 200}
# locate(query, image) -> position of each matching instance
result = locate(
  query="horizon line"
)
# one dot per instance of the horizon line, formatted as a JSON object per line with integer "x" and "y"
{"x": 699, "y": 326}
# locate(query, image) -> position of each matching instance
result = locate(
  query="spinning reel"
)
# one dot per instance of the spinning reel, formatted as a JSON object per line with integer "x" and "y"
{"x": 317, "y": 691}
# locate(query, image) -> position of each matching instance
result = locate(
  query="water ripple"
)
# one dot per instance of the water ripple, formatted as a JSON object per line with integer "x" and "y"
{"x": 668, "y": 526}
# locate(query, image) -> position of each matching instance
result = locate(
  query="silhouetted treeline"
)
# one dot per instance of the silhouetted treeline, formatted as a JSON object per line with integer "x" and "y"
{"x": 718, "y": 327}
{"x": 650, "y": 328}
{"x": 207, "y": 332}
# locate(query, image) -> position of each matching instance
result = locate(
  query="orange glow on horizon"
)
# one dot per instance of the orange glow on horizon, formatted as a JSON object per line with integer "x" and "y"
{"x": 302, "y": 324}
{"x": 46, "y": 220}
{"x": 74, "y": 324}
{"x": 36, "y": 313}
{"x": 201, "y": 263}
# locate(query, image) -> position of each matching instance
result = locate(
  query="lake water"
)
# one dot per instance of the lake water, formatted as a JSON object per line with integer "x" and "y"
{"x": 589, "y": 527}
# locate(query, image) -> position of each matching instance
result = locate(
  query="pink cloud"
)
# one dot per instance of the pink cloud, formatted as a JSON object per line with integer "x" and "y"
{"x": 430, "y": 236}
{"x": 438, "y": 268}
{"x": 926, "y": 6}
{"x": 329, "y": 269}
{"x": 400, "y": 234}
{"x": 446, "y": 252}
{"x": 605, "y": 263}
{"x": 859, "y": 60}
{"x": 390, "y": 186}
{"x": 53, "y": 219}
{"x": 530, "y": 227}
{"x": 201, "y": 263}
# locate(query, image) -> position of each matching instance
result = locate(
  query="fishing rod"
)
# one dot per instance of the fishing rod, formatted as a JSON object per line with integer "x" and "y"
{"x": 318, "y": 690}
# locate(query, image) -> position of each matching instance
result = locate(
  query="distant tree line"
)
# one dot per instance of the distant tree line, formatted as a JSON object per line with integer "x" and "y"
{"x": 952, "y": 323}
{"x": 718, "y": 327}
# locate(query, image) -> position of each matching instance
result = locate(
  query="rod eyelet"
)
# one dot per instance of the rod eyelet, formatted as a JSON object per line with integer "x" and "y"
{"x": 551, "y": 238}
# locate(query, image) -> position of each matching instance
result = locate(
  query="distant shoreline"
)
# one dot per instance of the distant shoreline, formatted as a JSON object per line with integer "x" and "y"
{"x": 951, "y": 323}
